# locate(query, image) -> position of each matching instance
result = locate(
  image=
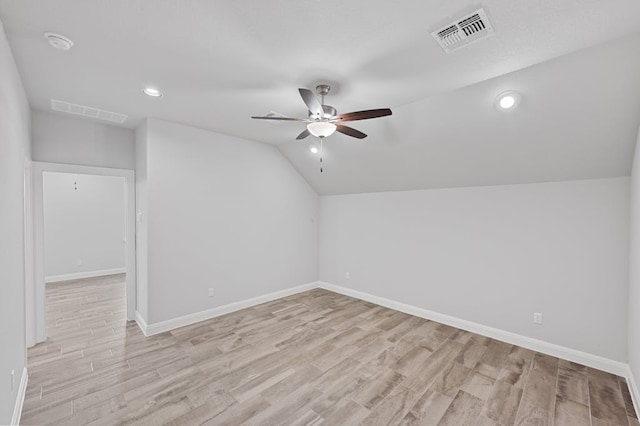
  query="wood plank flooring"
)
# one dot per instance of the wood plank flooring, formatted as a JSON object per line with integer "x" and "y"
{"x": 308, "y": 359}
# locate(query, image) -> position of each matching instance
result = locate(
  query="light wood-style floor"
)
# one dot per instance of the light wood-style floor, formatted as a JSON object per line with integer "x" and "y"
{"x": 313, "y": 358}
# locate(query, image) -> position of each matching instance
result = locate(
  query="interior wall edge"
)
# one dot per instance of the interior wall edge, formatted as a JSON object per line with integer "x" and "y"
{"x": 142, "y": 324}
{"x": 633, "y": 297}
{"x": 633, "y": 389}
{"x": 22, "y": 391}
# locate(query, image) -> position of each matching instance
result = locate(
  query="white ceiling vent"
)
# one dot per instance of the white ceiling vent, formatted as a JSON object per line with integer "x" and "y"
{"x": 464, "y": 31}
{"x": 87, "y": 111}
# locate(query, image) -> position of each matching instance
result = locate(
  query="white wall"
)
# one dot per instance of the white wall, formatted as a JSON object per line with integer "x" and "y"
{"x": 14, "y": 148}
{"x": 226, "y": 213}
{"x": 63, "y": 139}
{"x": 493, "y": 255}
{"x": 84, "y": 220}
{"x": 634, "y": 269}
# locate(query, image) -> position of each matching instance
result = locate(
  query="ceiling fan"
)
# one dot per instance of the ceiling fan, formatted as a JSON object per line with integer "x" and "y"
{"x": 323, "y": 120}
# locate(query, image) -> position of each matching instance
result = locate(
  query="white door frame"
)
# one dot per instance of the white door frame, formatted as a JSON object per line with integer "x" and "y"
{"x": 38, "y": 233}
{"x": 29, "y": 287}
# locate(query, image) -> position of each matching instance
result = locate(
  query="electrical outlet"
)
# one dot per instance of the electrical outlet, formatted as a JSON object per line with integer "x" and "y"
{"x": 537, "y": 318}
{"x": 13, "y": 379}
{"x": 210, "y": 292}
{"x": 79, "y": 262}
{"x": 347, "y": 275}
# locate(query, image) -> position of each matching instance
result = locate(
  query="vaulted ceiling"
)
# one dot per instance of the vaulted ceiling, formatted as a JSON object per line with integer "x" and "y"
{"x": 575, "y": 62}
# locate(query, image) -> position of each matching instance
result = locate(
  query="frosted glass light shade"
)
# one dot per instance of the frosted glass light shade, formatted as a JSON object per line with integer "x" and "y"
{"x": 321, "y": 129}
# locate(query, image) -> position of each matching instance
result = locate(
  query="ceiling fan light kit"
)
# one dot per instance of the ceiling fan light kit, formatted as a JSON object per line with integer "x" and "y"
{"x": 321, "y": 129}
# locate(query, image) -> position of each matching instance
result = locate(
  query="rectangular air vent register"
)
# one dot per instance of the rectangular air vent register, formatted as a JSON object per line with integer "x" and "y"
{"x": 464, "y": 31}
{"x": 87, "y": 111}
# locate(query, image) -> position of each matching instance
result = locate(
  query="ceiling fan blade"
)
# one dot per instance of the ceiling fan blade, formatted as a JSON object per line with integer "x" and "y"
{"x": 303, "y": 135}
{"x": 363, "y": 115}
{"x": 280, "y": 118}
{"x": 350, "y": 131}
{"x": 312, "y": 102}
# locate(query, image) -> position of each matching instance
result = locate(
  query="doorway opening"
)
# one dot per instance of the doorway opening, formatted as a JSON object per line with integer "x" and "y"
{"x": 84, "y": 234}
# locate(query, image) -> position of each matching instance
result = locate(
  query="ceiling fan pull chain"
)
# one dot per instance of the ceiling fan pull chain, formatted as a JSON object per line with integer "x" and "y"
{"x": 321, "y": 153}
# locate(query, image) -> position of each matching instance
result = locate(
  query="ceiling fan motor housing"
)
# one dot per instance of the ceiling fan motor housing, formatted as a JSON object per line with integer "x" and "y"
{"x": 328, "y": 112}
{"x": 323, "y": 89}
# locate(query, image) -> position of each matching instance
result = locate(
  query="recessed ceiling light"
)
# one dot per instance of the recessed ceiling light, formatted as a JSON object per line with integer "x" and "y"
{"x": 152, "y": 91}
{"x": 59, "y": 41}
{"x": 508, "y": 100}
{"x": 313, "y": 149}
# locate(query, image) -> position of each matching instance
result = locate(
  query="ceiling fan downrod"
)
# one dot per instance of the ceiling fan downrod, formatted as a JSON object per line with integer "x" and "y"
{"x": 322, "y": 89}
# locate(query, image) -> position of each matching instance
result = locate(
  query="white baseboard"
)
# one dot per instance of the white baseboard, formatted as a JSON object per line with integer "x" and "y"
{"x": 594, "y": 361}
{"x": 142, "y": 324}
{"x": 22, "y": 390}
{"x": 633, "y": 389}
{"x": 171, "y": 324}
{"x": 81, "y": 275}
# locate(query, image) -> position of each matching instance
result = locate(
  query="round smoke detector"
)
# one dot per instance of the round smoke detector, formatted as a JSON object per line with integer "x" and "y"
{"x": 58, "y": 41}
